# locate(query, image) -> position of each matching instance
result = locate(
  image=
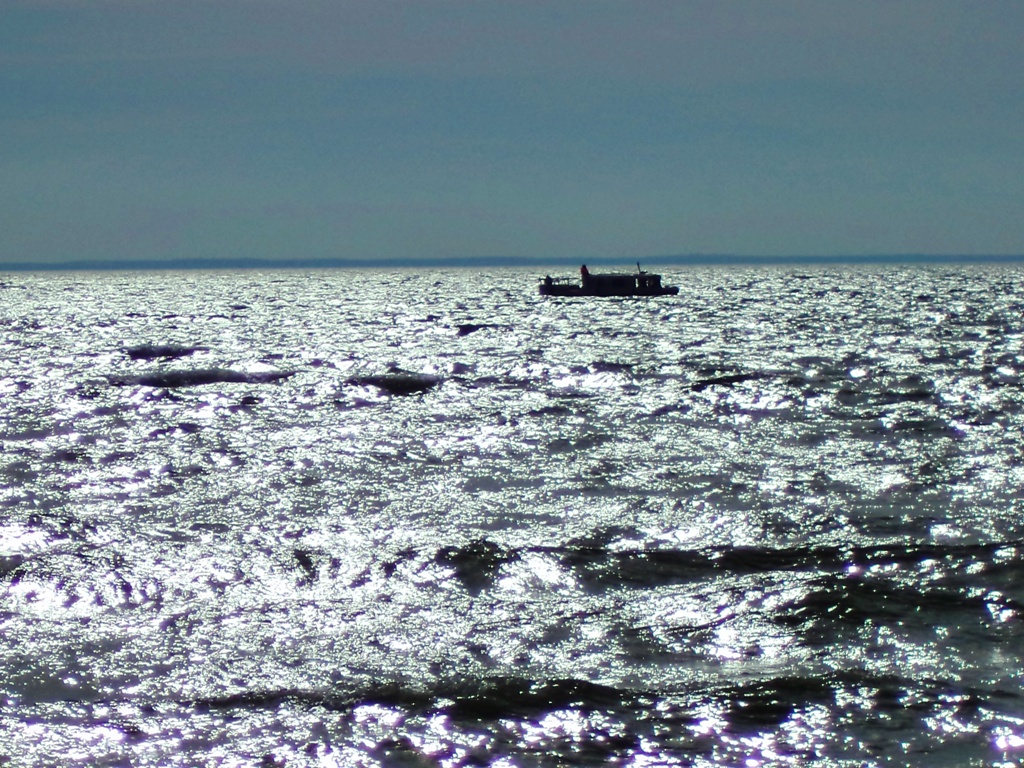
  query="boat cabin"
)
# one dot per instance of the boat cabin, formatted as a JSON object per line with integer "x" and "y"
{"x": 639, "y": 283}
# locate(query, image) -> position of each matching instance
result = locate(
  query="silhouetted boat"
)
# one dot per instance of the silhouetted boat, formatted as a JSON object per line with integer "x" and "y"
{"x": 639, "y": 283}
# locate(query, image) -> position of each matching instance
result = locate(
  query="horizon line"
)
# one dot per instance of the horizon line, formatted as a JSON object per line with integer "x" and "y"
{"x": 681, "y": 260}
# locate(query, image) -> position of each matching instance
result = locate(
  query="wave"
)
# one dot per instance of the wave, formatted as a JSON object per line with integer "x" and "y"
{"x": 397, "y": 383}
{"x": 197, "y": 377}
{"x": 599, "y": 564}
{"x": 655, "y": 567}
{"x": 464, "y": 329}
{"x": 725, "y": 381}
{"x": 467, "y": 698}
{"x": 164, "y": 351}
{"x": 477, "y": 563}
{"x": 757, "y": 706}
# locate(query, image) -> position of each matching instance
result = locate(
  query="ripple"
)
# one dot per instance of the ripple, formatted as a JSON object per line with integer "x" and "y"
{"x": 776, "y": 518}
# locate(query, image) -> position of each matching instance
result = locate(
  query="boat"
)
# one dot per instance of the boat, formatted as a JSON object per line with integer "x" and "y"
{"x": 639, "y": 283}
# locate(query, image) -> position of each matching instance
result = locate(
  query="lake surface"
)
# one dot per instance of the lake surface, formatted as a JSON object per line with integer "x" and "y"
{"x": 390, "y": 518}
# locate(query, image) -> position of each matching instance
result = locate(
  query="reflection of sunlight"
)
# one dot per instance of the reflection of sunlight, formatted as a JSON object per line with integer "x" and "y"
{"x": 998, "y": 611}
{"x": 946, "y": 722}
{"x": 15, "y": 540}
{"x": 488, "y": 438}
{"x": 377, "y": 713}
{"x": 1005, "y": 739}
{"x": 534, "y": 568}
{"x": 709, "y": 721}
{"x": 544, "y": 569}
{"x": 726, "y": 641}
{"x": 38, "y": 598}
{"x": 791, "y": 743}
{"x": 650, "y": 758}
{"x": 761, "y": 749}
{"x": 289, "y": 537}
{"x": 438, "y": 736}
{"x": 588, "y": 381}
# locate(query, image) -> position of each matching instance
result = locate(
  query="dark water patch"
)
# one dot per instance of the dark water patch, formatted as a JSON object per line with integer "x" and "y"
{"x": 391, "y": 565}
{"x": 599, "y": 565}
{"x": 765, "y": 705}
{"x": 187, "y": 470}
{"x": 199, "y": 377}
{"x": 495, "y": 698}
{"x": 19, "y": 472}
{"x": 184, "y": 428}
{"x": 467, "y": 700}
{"x": 305, "y": 559}
{"x": 1011, "y": 361}
{"x": 852, "y": 601}
{"x": 583, "y": 443}
{"x": 867, "y": 396}
{"x": 506, "y": 382}
{"x": 664, "y": 410}
{"x": 68, "y": 456}
{"x": 914, "y": 395}
{"x": 397, "y": 383}
{"x": 645, "y": 645}
{"x": 551, "y": 410}
{"x": 326, "y": 699}
{"x": 657, "y": 567}
{"x": 464, "y": 329}
{"x": 926, "y": 427}
{"x": 11, "y": 567}
{"x": 835, "y": 606}
{"x": 724, "y": 381}
{"x": 477, "y": 563}
{"x": 604, "y": 366}
{"x": 160, "y": 351}
{"x": 943, "y": 356}
{"x": 245, "y": 403}
{"x": 479, "y": 382}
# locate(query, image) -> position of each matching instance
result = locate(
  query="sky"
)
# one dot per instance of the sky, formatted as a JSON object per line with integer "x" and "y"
{"x": 375, "y": 130}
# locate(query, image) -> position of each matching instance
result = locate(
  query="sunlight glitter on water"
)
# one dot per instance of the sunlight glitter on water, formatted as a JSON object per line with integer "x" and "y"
{"x": 782, "y": 497}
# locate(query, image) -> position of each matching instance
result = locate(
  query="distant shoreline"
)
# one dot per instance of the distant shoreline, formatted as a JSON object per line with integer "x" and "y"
{"x": 679, "y": 260}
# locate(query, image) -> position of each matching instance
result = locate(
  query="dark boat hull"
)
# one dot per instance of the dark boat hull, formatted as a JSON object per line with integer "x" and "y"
{"x": 561, "y": 289}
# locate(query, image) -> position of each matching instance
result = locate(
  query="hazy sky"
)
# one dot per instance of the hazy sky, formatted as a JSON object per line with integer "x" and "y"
{"x": 454, "y": 128}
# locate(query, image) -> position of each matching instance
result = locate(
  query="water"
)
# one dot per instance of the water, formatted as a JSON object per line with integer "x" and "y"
{"x": 367, "y": 518}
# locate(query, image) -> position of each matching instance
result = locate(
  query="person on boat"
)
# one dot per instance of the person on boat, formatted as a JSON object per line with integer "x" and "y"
{"x": 584, "y": 275}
